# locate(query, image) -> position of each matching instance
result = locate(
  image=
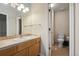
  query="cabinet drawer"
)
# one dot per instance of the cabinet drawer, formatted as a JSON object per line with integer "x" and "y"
{"x": 8, "y": 52}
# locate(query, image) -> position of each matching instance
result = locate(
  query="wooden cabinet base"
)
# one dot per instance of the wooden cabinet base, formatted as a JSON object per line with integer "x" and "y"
{"x": 28, "y": 48}
{"x": 34, "y": 50}
{"x": 24, "y": 52}
{"x": 8, "y": 52}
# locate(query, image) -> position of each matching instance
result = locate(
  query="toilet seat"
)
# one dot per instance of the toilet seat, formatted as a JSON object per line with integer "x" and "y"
{"x": 60, "y": 39}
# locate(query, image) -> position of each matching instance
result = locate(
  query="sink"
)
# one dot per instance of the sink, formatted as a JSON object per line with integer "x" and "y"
{"x": 16, "y": 38}
{"x": 28, "y": 36}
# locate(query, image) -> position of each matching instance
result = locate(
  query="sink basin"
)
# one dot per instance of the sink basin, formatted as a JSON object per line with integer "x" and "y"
{"x": 16, "y": 38}
{"x": 28, "y": 37}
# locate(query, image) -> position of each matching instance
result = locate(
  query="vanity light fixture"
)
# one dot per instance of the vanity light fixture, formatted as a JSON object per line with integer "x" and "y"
{"x": 20, "y": 7}
{"x": 14, "y": 5}
{"x": 26, "y": 9}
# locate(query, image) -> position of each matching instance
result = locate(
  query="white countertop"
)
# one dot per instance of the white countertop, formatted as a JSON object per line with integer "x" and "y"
{"x": 4, "y": 44}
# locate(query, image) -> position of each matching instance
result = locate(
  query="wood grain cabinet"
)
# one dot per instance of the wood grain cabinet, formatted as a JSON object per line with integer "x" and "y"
{"x": 27, "y": 48}
{"x": 8, "y": 52}
{"x": 34, "y": 50}
{"x": 23, "y": 52}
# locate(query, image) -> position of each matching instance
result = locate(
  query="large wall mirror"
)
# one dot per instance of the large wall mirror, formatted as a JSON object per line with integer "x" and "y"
{"x": 3, "y": 25}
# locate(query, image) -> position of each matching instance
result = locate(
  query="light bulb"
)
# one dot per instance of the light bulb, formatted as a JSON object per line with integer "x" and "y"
{"x": 26, "y": 9}
{"x": 19, "y": 8}
{"x": 22, "y": 6}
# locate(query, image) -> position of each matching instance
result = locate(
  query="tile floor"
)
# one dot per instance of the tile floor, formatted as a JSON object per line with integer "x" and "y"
{"x": 56, "y": 51}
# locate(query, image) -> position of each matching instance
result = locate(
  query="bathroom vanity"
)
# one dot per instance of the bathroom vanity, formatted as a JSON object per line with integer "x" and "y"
{"x": 23, "y": 46}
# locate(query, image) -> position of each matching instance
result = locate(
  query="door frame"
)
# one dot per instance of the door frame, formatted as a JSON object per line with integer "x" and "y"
{"x": 71, "y": 30}
{"x": 17, "y": 22}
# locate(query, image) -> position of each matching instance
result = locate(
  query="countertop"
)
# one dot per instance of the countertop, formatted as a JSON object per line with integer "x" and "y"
{"x": 4, "y": 44}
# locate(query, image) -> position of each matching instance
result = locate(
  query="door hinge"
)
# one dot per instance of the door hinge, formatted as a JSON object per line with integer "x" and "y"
{"x": 49, "y": 48}
{"x": 49, "y": 29}
{"x": 49, "y": 10}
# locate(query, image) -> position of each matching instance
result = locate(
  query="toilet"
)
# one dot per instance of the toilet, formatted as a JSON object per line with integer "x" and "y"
{"x": 60, "y": 40}
{"x": 67, "y": 38}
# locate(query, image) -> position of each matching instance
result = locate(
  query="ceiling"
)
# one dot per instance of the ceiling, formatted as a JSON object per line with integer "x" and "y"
{"x": 60, "y": 6}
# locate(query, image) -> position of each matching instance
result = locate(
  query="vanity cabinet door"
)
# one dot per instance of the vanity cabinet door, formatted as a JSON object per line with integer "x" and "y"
{"x": 34, "y": 50}
{"x": 8, "y": 52}
{"x": 24, "y": 45}
{"x": 23, "y": 52}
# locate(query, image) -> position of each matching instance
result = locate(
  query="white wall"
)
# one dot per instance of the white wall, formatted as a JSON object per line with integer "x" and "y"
{"x": 61, "y": 22}
{"x": 38, "y": 18}
{"x": 11, "y": 18}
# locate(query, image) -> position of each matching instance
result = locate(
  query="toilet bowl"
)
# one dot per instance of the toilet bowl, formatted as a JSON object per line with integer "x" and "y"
{"x": 60, "y": 40}
{"x": 67, "y": 38}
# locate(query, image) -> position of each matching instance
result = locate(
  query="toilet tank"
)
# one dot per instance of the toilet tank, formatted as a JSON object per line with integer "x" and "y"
{"x": 60, "y": 36}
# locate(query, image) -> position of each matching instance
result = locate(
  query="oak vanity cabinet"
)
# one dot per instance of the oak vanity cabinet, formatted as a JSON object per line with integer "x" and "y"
{"x": 22, "y": 48}
{"x": 34, "y": 50}
{"x": 27, "y": 48}
{"x": 23, "y": 52}
{"x": 8, "y": 52}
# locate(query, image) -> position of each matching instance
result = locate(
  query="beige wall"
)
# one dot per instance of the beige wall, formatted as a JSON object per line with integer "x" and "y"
{"x": 61, "y": 22}
{"x": 36, "y": 21}
{"x": 77, "y": 29}
{"x": 32, "y": 21}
